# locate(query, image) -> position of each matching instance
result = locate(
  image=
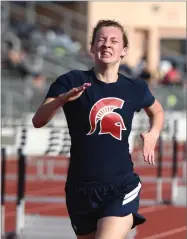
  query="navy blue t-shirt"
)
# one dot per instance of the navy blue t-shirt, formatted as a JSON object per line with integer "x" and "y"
{"x": 99, "y": 124}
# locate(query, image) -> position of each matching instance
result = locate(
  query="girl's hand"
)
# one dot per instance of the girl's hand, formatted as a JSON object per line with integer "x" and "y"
{"x": 149, "y": 143}
{"x": 74, "y": 93}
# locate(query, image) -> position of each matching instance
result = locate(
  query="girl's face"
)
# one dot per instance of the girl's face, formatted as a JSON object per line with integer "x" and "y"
{"x": 108, "y": 47}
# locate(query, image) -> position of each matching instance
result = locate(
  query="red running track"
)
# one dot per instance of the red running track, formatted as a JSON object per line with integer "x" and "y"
{"x": 166, "y": 222}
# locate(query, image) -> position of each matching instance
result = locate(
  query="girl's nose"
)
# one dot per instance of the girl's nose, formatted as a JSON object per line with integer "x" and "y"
{"x": 106, "y": 43}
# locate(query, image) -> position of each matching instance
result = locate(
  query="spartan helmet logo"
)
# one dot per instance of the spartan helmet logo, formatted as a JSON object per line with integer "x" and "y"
{"x": 110, "y": 122}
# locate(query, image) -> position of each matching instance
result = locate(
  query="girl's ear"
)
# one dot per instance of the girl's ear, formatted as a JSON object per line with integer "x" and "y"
{"x": 124, "y": 53}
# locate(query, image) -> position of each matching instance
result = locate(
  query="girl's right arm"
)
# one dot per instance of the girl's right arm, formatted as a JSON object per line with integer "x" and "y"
{"x": 51, "y": 105}
{"x": 46, "y": 112}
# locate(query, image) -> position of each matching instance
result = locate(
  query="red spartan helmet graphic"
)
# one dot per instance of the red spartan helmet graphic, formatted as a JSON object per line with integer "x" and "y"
{"x": 110, "y": 122}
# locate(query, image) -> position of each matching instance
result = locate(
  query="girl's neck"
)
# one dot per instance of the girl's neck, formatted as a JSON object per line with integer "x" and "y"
{"x": 107, "y": 74}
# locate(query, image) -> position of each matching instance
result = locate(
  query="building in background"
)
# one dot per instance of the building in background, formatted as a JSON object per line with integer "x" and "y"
{"x": 155, "y": 29}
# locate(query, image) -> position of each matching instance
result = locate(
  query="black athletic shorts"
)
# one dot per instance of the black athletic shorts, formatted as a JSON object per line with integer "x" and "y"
{"x": 88, "y": 202}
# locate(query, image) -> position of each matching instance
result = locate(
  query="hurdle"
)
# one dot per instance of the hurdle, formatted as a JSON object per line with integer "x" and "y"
{"x": 3, "y": 173}
{"x": 184, "y": 167}
{"x": 159, "y": 171}
{"x": 174, "y": 169}
{"x": 20, "y": 208}
{"x": 174, "y": 182}
{"x": 20, "y": 203}
{"x": 30, "y": 226}
{"x": 56, "y": 142}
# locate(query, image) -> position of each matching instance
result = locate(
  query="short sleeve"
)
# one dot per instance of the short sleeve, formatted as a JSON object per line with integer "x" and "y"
{"x": 147, "y": 99}
{"x": 60, "y": 86}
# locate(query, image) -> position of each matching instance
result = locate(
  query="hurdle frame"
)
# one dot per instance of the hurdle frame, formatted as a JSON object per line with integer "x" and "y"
{"x": 159, "y": 181}
{"x": 3, "y": 182}
{"x": 174, "y": 183}
{"x": 20, "y": 206}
